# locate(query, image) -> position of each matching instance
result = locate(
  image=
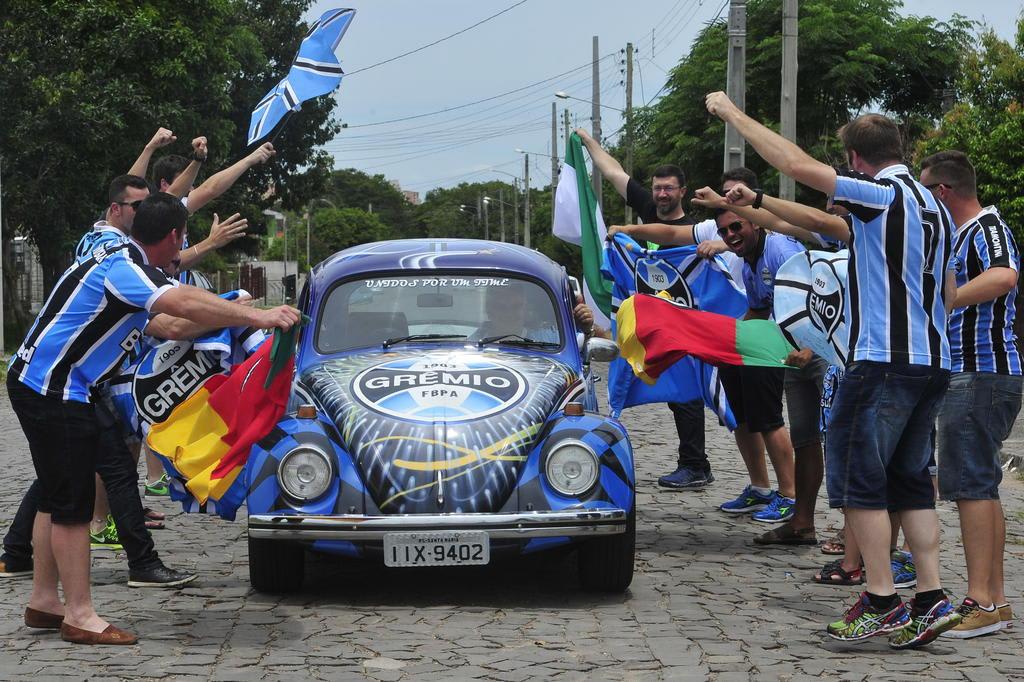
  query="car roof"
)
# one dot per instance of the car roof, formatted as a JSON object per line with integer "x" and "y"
{"x": 435, "y": 254}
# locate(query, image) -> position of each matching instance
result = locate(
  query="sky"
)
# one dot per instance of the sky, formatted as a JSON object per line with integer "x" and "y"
{"x": 472, "y": 100}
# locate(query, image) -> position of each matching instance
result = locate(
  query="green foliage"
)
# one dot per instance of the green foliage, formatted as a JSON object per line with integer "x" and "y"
{"x": 352, "y": 188}
{"x": 988, "y": 124}
{"x": 85, "y": 85}
{"x": 853, "y": 55}
{"x": 334, "y": 229}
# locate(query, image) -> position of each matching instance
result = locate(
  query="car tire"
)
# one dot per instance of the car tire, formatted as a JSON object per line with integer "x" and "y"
{"x": 606, "y": 564}
{"x": 276, "y": 566}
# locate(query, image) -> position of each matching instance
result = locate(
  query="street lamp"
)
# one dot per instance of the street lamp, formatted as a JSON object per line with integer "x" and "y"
{"x": 309, "y": 218}
{"x": 564, "y": 95}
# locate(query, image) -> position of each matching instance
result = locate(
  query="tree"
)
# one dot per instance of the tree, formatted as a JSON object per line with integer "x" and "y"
{"x": 988, "y": 124}
{"x": 853, "y": 55}
{"x": 335, "y": 229}
{"x": 86, "y": 84}
{"x": 352, "y": 188}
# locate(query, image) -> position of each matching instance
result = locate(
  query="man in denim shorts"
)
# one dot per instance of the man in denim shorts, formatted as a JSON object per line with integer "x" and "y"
{"x": 984, "y": 394}
{"x": 884, "y": 411}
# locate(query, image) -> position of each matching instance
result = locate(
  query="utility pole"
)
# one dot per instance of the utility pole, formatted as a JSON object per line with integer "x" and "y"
{"x": 568, "y": 128}
{"x": 515, "y": 210}
{"x": 736, "y": 85}
{"x": 629, "y": 121}
{"x": 595, "y": 118}
{"x": 554, "y": 150}
{"x": 526, "y": 201}
{"x": 501, "y": 211}
{"x": 787, "y": 105}
{"x": 479, "y": 208}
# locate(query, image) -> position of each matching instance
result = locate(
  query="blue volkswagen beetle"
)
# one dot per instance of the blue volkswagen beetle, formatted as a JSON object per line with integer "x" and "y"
{"x": 443, "y": 414}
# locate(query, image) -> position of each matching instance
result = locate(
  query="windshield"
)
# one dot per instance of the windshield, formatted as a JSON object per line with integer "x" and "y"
{"x": 372, "y": 311}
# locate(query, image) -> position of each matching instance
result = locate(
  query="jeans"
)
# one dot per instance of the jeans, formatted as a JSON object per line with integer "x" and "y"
{"x": 689, "y": 419}
{"x": 118, "y": 471}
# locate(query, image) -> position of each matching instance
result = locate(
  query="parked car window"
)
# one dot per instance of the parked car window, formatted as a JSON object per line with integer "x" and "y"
{"x": 368, "y": 312}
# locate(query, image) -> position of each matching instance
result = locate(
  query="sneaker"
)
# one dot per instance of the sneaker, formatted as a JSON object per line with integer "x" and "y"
{"x": 904, "y": 574}
{"x": 861, "y": 621}
{"x": 159, "y": 576}
{"x": 12, "y": 568}
{"x": 749, "y": 500}
{"x": 159, "y": 488}
{"x": 106, "y": 538}
{"x": 1005, "y": 616}
{"x": 925, "y": 628}
{"x": 780, "y": 509}
{"x": 686, "y": 478}
{"x": 974, "y": 621}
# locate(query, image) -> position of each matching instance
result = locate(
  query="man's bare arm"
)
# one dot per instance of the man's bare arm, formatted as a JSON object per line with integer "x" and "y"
{"x": 795, "y": 219}
{"x": 161, "y": 138}
{"x": 221, "y": 182}
{"x": 788, "y": 158}
{"x": 210, "y": 311}
{"x": 659, "y": 233}
{"x": 221, "y": 233}
{"x": 605, "y": 162}
{"x": 988, "y": 286}
{"x": 186, "y": 178}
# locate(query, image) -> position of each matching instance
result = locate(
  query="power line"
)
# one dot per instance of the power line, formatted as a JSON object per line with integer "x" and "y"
{"x": 439, "y": 40}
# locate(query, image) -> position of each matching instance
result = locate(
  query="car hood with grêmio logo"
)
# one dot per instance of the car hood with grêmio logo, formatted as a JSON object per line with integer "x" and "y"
{"x": 445, "y": 430}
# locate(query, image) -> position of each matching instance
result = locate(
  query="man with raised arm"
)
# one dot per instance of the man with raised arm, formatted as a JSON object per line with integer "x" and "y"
{"x": 882, "y": 417}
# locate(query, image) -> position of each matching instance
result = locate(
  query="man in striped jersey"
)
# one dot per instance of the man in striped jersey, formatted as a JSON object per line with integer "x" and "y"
{"x": 94, "y": 316}
{"x": 884, "y": 411}
{"x": 984, "y": 394}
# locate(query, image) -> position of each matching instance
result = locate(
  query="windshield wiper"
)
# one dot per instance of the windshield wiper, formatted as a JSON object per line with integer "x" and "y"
{"x": 516, "y": 340}
{"x": 422, "y": 337}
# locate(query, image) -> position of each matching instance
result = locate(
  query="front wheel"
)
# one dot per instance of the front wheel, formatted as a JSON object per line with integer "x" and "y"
{"x": 606, "y": 564}
{"x": 276, "y": 566}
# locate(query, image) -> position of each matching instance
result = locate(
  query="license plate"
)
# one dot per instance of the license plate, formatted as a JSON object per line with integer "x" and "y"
{"x": 458, "y": 548}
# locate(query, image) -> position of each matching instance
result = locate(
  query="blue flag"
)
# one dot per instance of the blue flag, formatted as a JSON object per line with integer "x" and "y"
{"x": 689, "y": 279}
{"x": 316, "y": 71}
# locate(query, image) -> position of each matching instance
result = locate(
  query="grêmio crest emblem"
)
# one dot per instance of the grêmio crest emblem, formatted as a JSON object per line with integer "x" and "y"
{"x": 429, "y": 391}
{"x": 654, "y": 276}
{"x": 825, "y": 299}
{"x": 176, "y": 371}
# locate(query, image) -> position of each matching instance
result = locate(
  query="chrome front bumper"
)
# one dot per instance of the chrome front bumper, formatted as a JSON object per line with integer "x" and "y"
{"x": 577, "y": 522}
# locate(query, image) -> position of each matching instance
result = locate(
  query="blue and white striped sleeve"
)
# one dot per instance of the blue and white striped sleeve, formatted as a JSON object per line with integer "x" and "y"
{"x": 862, "y": 195}
{"x": 137, "y": 285}
{"x": 993, "y": 245}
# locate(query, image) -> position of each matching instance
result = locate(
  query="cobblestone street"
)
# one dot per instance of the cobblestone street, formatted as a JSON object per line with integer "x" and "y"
{"x": 704, "y": 604}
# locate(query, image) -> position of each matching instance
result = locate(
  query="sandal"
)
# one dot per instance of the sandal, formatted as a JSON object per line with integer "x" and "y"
{"x": 787, "y": 535}
{"x": 836, "y": 545}
{"x": 832, "y": 573}
{"x": 155, "y": 525}
{"x": 153, "y": 515}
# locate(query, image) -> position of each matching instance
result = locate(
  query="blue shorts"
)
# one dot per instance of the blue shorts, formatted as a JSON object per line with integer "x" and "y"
{"x": 880, "y": 436}
{"x": 975, "y": 419}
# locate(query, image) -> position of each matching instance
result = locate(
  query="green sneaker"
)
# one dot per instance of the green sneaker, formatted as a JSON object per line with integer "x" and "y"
{"x": 925, "y": 628}
{"x": 106, "y": 538}
{"x": 158, "y": 489}
{"x": 861, "y": 621}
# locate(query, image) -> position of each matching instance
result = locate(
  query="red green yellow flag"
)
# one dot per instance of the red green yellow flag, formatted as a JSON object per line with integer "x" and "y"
{"x": 206, "y": 439}
{"x": 654, "y": 333}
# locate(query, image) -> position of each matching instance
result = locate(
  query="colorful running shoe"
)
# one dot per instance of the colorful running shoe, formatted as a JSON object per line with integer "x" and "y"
{"x": 749, "y": 500}
{"x": 779, "y": 510}
{"x": 106, "y": 538}
{"x": 924, "y": 628}
{"x": 862, "y": 621}
{"x": 904, "y": 574}
{"x": 159, "y": 488}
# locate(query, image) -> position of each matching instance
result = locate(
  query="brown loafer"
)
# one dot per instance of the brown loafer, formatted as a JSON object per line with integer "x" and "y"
{"x": 42, "y": 620}
{"x": 112, "y": 635}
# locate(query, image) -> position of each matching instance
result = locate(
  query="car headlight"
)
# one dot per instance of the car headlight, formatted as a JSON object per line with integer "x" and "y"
{"x": 572, "y": 468}
{"x": 304, "y": 473}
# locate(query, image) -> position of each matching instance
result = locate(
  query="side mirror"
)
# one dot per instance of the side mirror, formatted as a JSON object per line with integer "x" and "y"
{"x": 599, "y": 350}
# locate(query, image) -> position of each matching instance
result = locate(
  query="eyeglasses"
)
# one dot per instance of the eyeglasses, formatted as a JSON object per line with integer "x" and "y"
{"x": 938, "y": 184}
{"x": 659, "y": 189}
{"x": 735, "y": 226}
{"x": 133, "y": 204}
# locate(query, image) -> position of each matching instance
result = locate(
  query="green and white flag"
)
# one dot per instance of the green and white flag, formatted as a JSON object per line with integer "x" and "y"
{"x": 577, "y": 220}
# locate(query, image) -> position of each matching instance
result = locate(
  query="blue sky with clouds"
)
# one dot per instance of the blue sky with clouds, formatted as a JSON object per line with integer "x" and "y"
{"x": 516, "y": 62}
